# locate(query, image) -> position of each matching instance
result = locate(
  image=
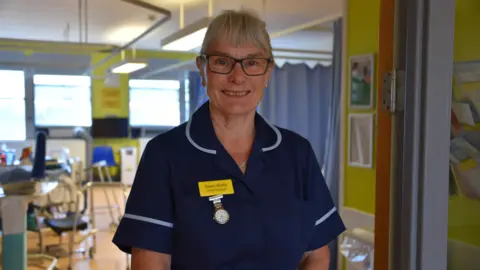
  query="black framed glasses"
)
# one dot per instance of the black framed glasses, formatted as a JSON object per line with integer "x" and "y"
{"x": 252, "y": 66}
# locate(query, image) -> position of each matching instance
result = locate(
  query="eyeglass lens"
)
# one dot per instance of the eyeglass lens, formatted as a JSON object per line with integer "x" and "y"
{"x": 225, "y": 64}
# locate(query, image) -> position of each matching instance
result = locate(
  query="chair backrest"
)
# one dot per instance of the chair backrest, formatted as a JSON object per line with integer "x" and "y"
{"x": 38, "y": 169}
{"x": 104, "y": 153}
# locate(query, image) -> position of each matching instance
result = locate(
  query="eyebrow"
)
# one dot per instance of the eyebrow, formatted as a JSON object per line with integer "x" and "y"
{"x": 252, "y": 55}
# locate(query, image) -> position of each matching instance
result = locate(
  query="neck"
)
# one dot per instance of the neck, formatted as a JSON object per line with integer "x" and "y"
{"x": 233, "y": 129}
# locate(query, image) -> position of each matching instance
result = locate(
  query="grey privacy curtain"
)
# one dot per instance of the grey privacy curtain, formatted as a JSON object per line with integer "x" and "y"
{"x": 297, "y": 99}
{"x": 198, "y": 93}
{"x": 332, "y": 150}
{"x": 307, "y": 101}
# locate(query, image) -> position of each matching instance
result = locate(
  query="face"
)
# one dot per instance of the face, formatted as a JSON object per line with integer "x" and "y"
{"x": 234, "y": 93}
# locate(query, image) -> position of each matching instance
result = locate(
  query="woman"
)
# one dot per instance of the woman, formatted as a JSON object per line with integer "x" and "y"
{"x": 227, "y": 190}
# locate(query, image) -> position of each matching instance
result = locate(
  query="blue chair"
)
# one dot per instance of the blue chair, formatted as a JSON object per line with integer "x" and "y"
{"x": 104, "y": 153}
{"x": 103, "y": 159}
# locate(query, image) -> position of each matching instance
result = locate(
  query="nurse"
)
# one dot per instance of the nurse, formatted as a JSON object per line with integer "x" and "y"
{"x": 228, "y": 190}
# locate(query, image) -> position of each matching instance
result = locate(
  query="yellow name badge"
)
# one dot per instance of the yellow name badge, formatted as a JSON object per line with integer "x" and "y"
{"x": 215, "y": 187}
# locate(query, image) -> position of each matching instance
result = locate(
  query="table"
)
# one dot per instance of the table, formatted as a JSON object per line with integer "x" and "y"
{"x": 14, "y": 207}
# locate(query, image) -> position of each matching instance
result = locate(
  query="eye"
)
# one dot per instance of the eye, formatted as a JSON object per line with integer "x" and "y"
{"x": 251, "y": 62}
{"x": 221, "y": 61}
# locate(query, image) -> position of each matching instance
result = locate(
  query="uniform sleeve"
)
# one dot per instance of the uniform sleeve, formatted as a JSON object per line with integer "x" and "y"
{"x": 148, "y": 219}
{"x": 328, "y": 223}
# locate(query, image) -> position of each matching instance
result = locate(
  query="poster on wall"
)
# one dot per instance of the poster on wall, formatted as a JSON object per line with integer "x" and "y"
{"x": 111, "y": 102}
{"x": 111, "y": 98}
{"x": 362, "y": 80}
{"x": 360, "y": 140}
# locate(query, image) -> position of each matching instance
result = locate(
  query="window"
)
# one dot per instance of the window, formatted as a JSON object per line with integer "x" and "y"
{"x": 12, "y": 105}
{"x": 154, "y": 103}
{"x": 62, "y": 100}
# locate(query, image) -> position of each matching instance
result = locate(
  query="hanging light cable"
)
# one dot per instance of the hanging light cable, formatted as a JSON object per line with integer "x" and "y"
{"x": 264, "y": 10}
{"x": 210, "y": 8}
{"x": 182, "y": 15}
{"x": 85, "y": 14}
{"x": 80, "y": 21}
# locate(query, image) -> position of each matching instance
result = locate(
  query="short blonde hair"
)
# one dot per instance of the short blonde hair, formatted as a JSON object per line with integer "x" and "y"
{"x": 238, "y": 27}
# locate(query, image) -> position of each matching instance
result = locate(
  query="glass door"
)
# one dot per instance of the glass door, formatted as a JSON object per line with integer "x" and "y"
{"x": 464, "y": 170}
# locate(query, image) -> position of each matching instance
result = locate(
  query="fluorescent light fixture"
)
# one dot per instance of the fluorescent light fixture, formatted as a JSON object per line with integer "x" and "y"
{"x": 188, "y": 38}
{"x": 128, "y": 66}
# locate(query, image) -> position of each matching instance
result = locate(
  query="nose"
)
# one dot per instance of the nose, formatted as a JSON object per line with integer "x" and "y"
{"x": 237, "y": 75}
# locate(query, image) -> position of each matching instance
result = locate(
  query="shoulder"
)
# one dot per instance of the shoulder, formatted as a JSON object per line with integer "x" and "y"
{"x": 168, "y": 142}
{"x": 295, "y": 146}
{"x": 293, "y": 141}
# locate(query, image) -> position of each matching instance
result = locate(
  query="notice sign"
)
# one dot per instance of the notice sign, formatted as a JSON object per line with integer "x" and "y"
{"x": 111, "y": 99}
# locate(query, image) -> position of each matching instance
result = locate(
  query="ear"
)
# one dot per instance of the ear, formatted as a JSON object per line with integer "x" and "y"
{"x": 200, "y": 61}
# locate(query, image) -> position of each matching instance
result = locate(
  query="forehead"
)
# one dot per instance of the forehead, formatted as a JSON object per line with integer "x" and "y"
{"x": 225, "y": 47}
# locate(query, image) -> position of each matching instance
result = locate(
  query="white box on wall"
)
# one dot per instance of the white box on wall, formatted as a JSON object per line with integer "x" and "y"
{"x": 128, "y": 165}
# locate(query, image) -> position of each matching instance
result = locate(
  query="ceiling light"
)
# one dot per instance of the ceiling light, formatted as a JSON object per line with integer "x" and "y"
{"x": 129, "y": 66}
{"x": 123, "y": 34}
{"x": 188, "y": 38}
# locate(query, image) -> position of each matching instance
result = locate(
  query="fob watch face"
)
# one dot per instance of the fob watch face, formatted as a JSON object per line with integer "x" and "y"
{"x": 221, "y": 216}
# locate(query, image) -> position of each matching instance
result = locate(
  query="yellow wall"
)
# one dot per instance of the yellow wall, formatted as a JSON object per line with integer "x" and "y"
{"x": 105, "y": 102}
{"x": 464, "y": 213}
{"x": 467, "y": 35}
{"x": 110, "y": 101}
{"x": 363, "y": 18}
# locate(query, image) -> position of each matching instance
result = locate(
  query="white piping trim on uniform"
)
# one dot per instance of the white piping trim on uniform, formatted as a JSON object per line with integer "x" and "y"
{"x": 192, "y": 142}
{"x": 214, "y": 152}
{"x": 279, "y": 137}
{"x": 149, "y": 220}
{"x": 327, "y": 215}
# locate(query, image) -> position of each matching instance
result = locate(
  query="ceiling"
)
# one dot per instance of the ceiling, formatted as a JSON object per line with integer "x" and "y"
{"x": 117, "y": 22}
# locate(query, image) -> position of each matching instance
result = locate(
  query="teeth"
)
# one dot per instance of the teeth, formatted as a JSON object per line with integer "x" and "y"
{"x": 235, "y": 93}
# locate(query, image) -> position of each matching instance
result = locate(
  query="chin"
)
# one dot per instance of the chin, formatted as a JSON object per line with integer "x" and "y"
{"x": 237, "y": 109}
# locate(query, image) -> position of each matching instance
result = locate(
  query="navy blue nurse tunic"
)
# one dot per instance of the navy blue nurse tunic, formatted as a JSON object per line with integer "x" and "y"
{"x": 281, "y": 206}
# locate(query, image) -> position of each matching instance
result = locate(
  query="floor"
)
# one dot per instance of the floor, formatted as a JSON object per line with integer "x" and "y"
{"x": 108, "y": 257}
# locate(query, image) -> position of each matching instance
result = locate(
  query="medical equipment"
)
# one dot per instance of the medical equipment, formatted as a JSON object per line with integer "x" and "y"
{"x": 21, "y": 185}
{"x": 68, "y": 174}
{"x": 99, "y": 164}
{"x": 74, "y": 219}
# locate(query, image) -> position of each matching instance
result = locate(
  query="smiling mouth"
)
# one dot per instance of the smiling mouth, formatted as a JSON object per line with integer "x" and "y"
{"x": 236, "y": 93}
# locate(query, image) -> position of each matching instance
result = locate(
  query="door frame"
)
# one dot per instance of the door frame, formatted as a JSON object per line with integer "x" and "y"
{"x": 419, "y": 193}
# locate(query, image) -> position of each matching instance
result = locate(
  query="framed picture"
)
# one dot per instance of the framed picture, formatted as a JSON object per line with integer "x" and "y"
{"x": 362, "y": 70}
{"x": 360, "y": 140}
